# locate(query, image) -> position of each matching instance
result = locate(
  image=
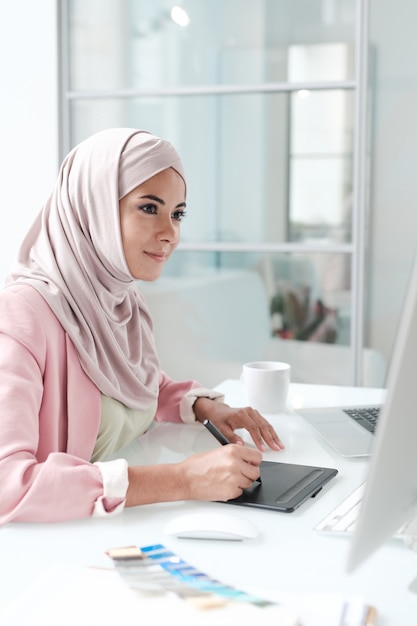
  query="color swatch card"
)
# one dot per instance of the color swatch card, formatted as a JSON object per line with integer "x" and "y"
{"x": 156, "y": 570}
{"x": 68, "y": 595}
{"x": 79, "y": 596}
{"x": 167, "y": 583}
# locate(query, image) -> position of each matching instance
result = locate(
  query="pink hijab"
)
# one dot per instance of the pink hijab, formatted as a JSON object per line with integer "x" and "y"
{"x": 73, "y": 255}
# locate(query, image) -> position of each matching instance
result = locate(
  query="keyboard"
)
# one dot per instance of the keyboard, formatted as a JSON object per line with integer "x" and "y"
{"x": 366, "y": 417}
{"x": 343, "y": 518}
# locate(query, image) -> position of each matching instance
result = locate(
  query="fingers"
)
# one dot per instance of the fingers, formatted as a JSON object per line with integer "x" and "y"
{"x": 245, "y": 469}
{"x": 228, "y": 419}
{"x": 270, "y": 437}
{"x": 249, "y": 465}
{"x": 248, "y": 455}
{"x": 221, "y": 474}
{"x": 233, "y": 438}
{"x": 261, "y": 431}
{"x": 250, "y": 474}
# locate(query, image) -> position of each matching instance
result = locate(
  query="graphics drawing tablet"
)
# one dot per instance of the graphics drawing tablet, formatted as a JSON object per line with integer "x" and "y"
{"x": 285, "y": 486}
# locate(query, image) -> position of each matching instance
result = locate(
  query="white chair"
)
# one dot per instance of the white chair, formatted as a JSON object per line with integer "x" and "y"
{"x": 205, "y": 328}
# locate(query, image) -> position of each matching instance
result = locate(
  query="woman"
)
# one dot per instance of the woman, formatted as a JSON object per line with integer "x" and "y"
{"x": 79, "y": 375}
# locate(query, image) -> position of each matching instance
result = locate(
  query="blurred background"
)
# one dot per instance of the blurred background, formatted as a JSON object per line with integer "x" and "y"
{"x": 295, "y": 121}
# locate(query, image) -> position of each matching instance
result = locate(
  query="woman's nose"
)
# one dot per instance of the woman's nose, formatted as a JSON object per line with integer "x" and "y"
{"x": 169, "y": 230}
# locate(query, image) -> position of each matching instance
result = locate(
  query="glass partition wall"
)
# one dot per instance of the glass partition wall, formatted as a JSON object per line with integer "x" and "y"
{"x": 266, "y": 103}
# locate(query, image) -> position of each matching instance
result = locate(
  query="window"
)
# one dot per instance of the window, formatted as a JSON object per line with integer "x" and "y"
{"x": 261, "y": 100}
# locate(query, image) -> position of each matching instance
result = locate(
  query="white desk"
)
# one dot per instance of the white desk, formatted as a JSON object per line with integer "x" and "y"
{"x": 288, "y": 557}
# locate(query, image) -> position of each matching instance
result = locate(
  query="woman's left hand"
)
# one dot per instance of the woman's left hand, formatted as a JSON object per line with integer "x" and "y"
{"x": 228, "y": 419}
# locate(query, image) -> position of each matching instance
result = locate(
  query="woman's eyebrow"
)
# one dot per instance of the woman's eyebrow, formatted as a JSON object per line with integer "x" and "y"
{"x": 160, "y": 201}
{"x": 155, "y": 198}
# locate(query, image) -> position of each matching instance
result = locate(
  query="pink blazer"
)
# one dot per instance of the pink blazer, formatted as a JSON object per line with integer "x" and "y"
{"x": 50, "y": 415}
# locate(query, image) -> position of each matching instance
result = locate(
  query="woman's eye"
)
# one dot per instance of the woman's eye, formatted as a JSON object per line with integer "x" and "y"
{"x": 148, "y": 208}
{"x": 178, "y": 215}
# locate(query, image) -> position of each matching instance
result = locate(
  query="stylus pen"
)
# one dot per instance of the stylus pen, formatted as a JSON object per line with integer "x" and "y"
{"x": 220, "y": 437}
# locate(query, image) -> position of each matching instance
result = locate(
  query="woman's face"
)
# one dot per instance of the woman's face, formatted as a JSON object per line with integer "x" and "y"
{"x": 150, "y": 218}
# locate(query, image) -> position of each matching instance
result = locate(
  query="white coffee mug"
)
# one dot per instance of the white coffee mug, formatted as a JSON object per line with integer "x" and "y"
{"x": 267, "y": 385}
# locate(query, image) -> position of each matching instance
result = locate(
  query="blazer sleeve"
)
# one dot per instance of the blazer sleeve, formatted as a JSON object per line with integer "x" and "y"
{"x": 45, "y": 471}
{"x": 176, "y": 399}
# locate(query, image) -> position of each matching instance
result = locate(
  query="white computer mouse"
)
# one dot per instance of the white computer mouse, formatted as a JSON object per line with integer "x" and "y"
{"x": 211, "y": 525}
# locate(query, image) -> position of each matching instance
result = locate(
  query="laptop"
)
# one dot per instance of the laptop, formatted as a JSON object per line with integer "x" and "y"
{"x": 339, "y": 426}
{"x": 349, "y": 430}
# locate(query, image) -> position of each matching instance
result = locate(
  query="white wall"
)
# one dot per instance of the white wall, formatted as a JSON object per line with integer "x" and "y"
{"x": 29, "y": 117}
{"x": 394, "y": 158}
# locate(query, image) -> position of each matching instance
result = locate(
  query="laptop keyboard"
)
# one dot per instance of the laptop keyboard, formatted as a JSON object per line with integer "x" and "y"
{"x": 366, "y": 417}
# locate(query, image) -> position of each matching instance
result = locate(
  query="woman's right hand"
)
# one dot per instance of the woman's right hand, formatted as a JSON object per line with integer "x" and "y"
{"x": 221, "y": 474}
{"x": 218, "y": 475}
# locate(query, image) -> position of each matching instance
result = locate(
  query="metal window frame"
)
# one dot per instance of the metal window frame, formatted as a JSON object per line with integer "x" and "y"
{"x": 357, "y": 248}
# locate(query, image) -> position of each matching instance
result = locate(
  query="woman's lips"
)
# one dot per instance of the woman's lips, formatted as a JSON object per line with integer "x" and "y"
{"x": 160, "y": 257}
